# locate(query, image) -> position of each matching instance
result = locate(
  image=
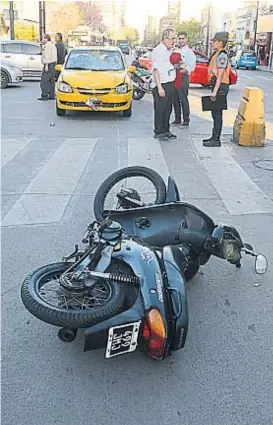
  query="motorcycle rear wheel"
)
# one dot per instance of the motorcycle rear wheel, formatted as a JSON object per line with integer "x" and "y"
{"x": 69, "y": 317}
{"x": 113, "y": 179}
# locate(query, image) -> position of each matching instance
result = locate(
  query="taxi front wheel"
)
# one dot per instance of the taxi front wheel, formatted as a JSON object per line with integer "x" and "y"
{"x": 128, "y": 112}
{"x": 60, "y": 112}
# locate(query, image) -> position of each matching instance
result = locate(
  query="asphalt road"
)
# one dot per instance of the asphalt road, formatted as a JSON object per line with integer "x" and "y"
{"x": 51, "y": 168}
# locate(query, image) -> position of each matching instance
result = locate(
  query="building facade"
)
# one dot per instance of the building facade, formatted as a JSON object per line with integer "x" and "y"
{"x": 151, "y": 30}
{"x": 210, "y": 24}
{"x": 113, "y": 14}
{"x": 174, "y": 8}
{"x": 25, "y": 12}
{"x": 172, "y": 17}
{"x": 265, "y": 35}
{"x": 229, "y": 24}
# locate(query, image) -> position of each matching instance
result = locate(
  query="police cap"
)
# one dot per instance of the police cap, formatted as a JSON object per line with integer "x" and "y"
{"x": 220, "y": 36}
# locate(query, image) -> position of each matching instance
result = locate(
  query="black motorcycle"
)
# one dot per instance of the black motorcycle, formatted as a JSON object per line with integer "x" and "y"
{"x": 127, "y": 288}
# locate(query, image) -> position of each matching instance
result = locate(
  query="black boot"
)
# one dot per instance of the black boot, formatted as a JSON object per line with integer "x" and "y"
{"x": 208, "y": 140}
{"x": 212, "y": 142}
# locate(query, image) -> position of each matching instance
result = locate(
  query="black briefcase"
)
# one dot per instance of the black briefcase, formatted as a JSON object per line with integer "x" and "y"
{"x": 220, "y": 104}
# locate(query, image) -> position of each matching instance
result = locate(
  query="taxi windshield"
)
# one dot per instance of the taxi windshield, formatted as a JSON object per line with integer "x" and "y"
{"x": 95, "y": 60}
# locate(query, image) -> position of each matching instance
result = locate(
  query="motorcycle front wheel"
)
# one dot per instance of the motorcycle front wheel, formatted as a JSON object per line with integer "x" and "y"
{"x": 127, "y": 172}
{"x": 72, "y": 310}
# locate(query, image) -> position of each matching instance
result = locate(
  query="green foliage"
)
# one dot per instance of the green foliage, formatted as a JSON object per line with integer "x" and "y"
{"x": 192, "y": 28}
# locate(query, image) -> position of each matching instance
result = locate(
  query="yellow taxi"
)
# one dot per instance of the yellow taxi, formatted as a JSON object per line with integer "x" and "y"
{"x": 94, "y": 79}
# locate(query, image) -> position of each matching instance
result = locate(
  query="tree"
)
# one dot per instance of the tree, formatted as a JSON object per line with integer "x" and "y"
{"x": 25, "y": 31}
{"x": 65, "y": 19}
{"x": 91, "y": 15}
{"x": 192, "y": 28}
{"x": 127, "y": 33}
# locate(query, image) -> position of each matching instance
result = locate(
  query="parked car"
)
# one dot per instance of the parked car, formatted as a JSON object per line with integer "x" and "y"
{"x": 23, "y": 54}
{"x": 246, "y": 59}
{"x": 10, "y": 74}
{"x": 199, "y": 75}
{"x": 94, "y": 79}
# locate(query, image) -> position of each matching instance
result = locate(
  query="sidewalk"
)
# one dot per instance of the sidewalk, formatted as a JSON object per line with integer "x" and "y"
{"x": 265, "y": 68}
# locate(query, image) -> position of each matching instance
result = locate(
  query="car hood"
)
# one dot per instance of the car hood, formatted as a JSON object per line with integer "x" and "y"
{"x": 93, "y": 79}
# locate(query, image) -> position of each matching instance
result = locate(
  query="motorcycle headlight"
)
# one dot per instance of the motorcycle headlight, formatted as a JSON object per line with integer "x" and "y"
{"x": 122, "y": 89}
{"x": 64, "y": 87}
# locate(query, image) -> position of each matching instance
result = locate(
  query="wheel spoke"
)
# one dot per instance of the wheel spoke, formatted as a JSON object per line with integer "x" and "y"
{"x": 53, "y": 293}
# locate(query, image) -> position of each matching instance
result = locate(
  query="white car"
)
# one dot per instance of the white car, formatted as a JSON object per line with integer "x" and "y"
{"x": 10, "y": 74}
{"x": 24, "y": 54}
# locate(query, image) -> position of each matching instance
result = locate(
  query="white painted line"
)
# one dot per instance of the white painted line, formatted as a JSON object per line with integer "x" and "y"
{"x": 47, "y": 196}
{"x": 61, "y": 173}
{"x": 239, "y": 193}
{"x": 147, "y": 152}
{"x": 10, "y": 147}
{"x": 265, "y": 78}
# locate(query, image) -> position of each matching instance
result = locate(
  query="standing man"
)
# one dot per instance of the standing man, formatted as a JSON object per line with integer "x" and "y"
{"x": 218, "y": 70}
{"x": 181, "y": 95}
{"x": 162, "y": 85}
{"x": 49, "y": 59}
{"x": 61, "y": 51}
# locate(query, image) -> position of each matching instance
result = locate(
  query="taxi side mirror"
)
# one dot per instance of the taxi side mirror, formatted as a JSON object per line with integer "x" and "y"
{"x": 58, "y": 68}
{"x": 131, "y": 69}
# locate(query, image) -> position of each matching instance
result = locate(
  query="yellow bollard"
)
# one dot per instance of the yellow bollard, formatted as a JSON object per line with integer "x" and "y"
{"x": 249, "y": 125}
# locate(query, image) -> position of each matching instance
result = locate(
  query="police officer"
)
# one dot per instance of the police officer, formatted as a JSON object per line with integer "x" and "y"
{"x": 218, "y": 72}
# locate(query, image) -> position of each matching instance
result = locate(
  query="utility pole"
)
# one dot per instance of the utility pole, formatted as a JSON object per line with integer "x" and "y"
{"x": 256, "y": 25}
{"x": 11, "y": 20}
{"x": 42, "y": 20}
{"x": 208, "y": 30}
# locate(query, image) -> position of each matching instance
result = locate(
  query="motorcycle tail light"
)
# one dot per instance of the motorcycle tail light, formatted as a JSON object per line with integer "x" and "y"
{"x": 154, "y": 334}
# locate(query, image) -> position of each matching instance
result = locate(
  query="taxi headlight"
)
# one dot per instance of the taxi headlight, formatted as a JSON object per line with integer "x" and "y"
{"x": 122, "y": 89}
{"x": 64, "y": 87}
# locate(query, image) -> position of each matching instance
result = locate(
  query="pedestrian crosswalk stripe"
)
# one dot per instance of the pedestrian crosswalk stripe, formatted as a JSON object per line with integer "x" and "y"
{"x": 46, "y": 197}
{"x": 147, "y": 152}
{"x": 12, "y": 147}
{"x": 49, "y": 193}
{"x": 236, "y": 189}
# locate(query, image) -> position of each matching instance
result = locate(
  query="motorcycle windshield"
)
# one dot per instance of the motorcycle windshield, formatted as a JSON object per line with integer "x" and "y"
{"x": 167, "y": 224}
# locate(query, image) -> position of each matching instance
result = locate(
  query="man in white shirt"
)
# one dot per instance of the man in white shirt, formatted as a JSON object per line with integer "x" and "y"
{"x": 162, "y": 85}
{"x": 181, "y": 96}
{"x": 49, "y": 60}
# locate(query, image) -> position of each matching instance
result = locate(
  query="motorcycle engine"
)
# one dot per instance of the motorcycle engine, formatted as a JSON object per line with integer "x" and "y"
{"x": 111, "y": 232}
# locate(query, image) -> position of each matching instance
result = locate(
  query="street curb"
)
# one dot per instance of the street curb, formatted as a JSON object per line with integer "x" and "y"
{"x": 266, "y": 69}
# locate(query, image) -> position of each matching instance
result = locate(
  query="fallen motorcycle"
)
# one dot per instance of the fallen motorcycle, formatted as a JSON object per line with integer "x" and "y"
{"x": 127, "y": 288}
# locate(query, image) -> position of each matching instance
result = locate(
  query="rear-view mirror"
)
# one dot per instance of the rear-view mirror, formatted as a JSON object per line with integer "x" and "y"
{"x": 58, "y": 67}
{"x": 261, "y": 264}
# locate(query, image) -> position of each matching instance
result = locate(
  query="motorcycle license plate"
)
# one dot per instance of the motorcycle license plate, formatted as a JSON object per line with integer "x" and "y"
{"x": 122, "y": 339}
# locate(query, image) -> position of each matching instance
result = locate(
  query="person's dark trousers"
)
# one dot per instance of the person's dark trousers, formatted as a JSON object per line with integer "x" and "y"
{"x": 181, "y": 100}
{"x": 48, "y": 81}
{"x": 57, "y": 73}
{"x": 163, "y": 109}
{"x": 217, "y": 116}
{"x": 176, "y": 105}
